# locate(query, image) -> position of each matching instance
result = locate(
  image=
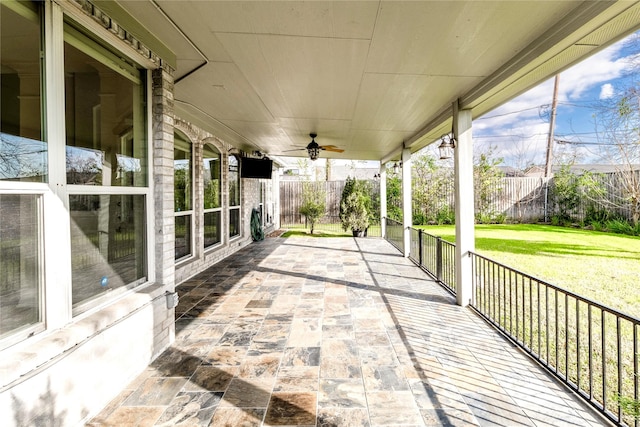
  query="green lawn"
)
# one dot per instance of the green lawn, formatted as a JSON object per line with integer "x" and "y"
{"x": 601, "y": 266}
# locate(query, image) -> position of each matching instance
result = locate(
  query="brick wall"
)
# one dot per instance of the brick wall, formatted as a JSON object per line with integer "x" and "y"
{"x": 249, "y": 199}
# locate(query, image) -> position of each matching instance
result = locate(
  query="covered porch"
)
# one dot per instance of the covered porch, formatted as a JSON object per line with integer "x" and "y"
{"x": 333, "y": 332}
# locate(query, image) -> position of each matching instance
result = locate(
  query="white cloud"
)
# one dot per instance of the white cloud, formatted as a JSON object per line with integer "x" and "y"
{"x": 606, "y": 91}
{"x": 520, "y": 126}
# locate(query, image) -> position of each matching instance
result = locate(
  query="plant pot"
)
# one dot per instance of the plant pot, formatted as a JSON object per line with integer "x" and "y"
{"x": 357, "y": 233}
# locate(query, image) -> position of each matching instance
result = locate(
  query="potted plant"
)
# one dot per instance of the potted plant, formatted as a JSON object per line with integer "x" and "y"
{"x": 355, "y": 207}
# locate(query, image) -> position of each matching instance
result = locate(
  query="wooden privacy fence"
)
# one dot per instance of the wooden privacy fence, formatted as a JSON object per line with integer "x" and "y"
{"x": 291, "y": 200}
{"x": 519, "y": 199}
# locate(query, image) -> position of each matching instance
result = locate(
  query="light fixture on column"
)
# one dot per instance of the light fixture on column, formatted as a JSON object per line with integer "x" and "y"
{"x": 446, "y": 146}
{"x": 397, "y": 166}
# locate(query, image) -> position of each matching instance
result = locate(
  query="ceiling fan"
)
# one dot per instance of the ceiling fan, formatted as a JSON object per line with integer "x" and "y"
{"x": 313, "y": 148}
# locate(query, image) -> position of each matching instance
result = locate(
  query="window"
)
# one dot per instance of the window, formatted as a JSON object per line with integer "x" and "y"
{"x": 234, "y": 196}
{"x": 266, "y": 202}
{"x": 183, "y": 198}
{"x": 104, "y": 117}
{"x": 23, "y": 151}
{"x": 107, "y": 244}
{"x": 23, "y": 160}
{"x": 20, "y": 263}
{"x": 106, "y": 169}
{"x": 211, "y": 169}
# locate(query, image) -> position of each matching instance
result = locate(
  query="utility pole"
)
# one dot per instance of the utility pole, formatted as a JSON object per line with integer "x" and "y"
{"x": 549, "y": 160}
{"x": 552, "y": 125}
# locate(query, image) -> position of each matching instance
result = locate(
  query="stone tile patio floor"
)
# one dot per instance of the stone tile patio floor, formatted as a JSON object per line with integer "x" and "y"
{"x": 335, "y": 332}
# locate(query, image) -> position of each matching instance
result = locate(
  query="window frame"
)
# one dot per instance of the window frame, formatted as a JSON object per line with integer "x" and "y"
{"x": 231, "y": 207}
{"x": 54, "y": 246}
{"x": 219, "y": 209}
{"x": 190, "y": 212}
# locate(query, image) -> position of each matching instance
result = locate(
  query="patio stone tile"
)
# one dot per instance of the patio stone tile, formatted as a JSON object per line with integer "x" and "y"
{"x": 237, "y": 339}
{"x": 305, "y": 332}
{"x": 339, "y": 348}
{"x": 190, "y": 408}
{"x": 338, "y": 331}
{"x": 345, "y": 327}
{"x": 372, "y": 338}
{"x": 297, "y": 378}
{"x": 248, "y": 393}
{"x": 260, "y": 366}
{"x": 245, "y": 417}
{"x": 144, "y": 416}
{"x": 338, "y": 367}
{"x": 341, "y": 393}
{"x": 291, "y": 409}
{"x": 337, "y": 417}
{"x": 155, "y": 392}
{"x": 393, "y": 408}
{"x": 448, "y": 417}
{"x": 211, "y": 378}
{"x": 379, "y": 355}
{"x": 378, "y": 378}
{"x": 301, "y": 356}
{"x": 230, "y": 355}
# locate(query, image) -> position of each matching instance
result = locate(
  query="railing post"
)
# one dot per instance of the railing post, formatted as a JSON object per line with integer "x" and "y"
{"x": 420, "y": 247}
{"x": 439, "y": 258}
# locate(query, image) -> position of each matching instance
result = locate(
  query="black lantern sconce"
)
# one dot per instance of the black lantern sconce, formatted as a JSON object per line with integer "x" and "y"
{"x": 396, "y": 167}
{"x": 446, "y": 146}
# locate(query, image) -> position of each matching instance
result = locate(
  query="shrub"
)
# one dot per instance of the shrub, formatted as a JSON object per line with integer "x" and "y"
{"x": 621, "y": 227}
{"x": 446, "y": 215}
{"x": 355, "y": 206}
{"x": 313, "y": 203}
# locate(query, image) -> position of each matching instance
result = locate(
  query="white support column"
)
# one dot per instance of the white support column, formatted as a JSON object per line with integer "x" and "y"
{"x": 407, "y": 209}
{"x": 464, "y": 200}
{"x": 383, "y": 200}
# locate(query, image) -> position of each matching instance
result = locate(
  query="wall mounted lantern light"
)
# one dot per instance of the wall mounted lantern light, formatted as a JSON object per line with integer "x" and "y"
{"x": 396, "y": 167}
{"x": 446, "y": 146}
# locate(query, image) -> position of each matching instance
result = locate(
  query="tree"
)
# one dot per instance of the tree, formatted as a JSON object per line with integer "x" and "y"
{"x": 430, "y": 187}
{"x": 571, "y": 191}
{"x": 394, "y": 197}
{"x": 487, "y": 180}
{"x": 618, "y": 125}
{"x": 355, "y": 206}
{"x": 313, "y": 203}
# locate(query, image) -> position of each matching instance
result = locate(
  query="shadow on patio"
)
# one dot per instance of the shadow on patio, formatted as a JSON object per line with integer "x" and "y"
{"x": 335, "y": 332}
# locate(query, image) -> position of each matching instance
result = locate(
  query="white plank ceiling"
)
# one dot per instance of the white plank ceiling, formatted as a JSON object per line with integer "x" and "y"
{"x": 366, "y": 76}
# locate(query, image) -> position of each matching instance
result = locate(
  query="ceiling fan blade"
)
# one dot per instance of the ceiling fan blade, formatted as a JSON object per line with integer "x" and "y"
{"x": 332, "y": 148}
{"x": 295, "y": 149}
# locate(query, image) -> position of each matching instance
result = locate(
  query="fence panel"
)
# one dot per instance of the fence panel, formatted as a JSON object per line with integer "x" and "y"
{"x": 291, "y": 200}
{"x": 591, "y": 348}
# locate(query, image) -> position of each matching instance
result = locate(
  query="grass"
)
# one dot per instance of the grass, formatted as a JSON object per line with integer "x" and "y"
{"x": 600, "y": 266}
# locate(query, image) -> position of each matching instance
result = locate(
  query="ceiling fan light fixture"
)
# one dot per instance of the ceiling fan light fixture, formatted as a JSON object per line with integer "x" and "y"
{"x": 313, "y": 148}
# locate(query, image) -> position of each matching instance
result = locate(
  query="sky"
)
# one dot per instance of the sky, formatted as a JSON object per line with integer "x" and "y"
{"x": 518, "y": 130}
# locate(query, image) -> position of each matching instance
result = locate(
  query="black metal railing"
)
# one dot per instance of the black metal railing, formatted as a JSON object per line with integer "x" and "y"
{"x": 436, "y": 256}
{"x": 394, "y": 234}
{"x": 592, "y": 348}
